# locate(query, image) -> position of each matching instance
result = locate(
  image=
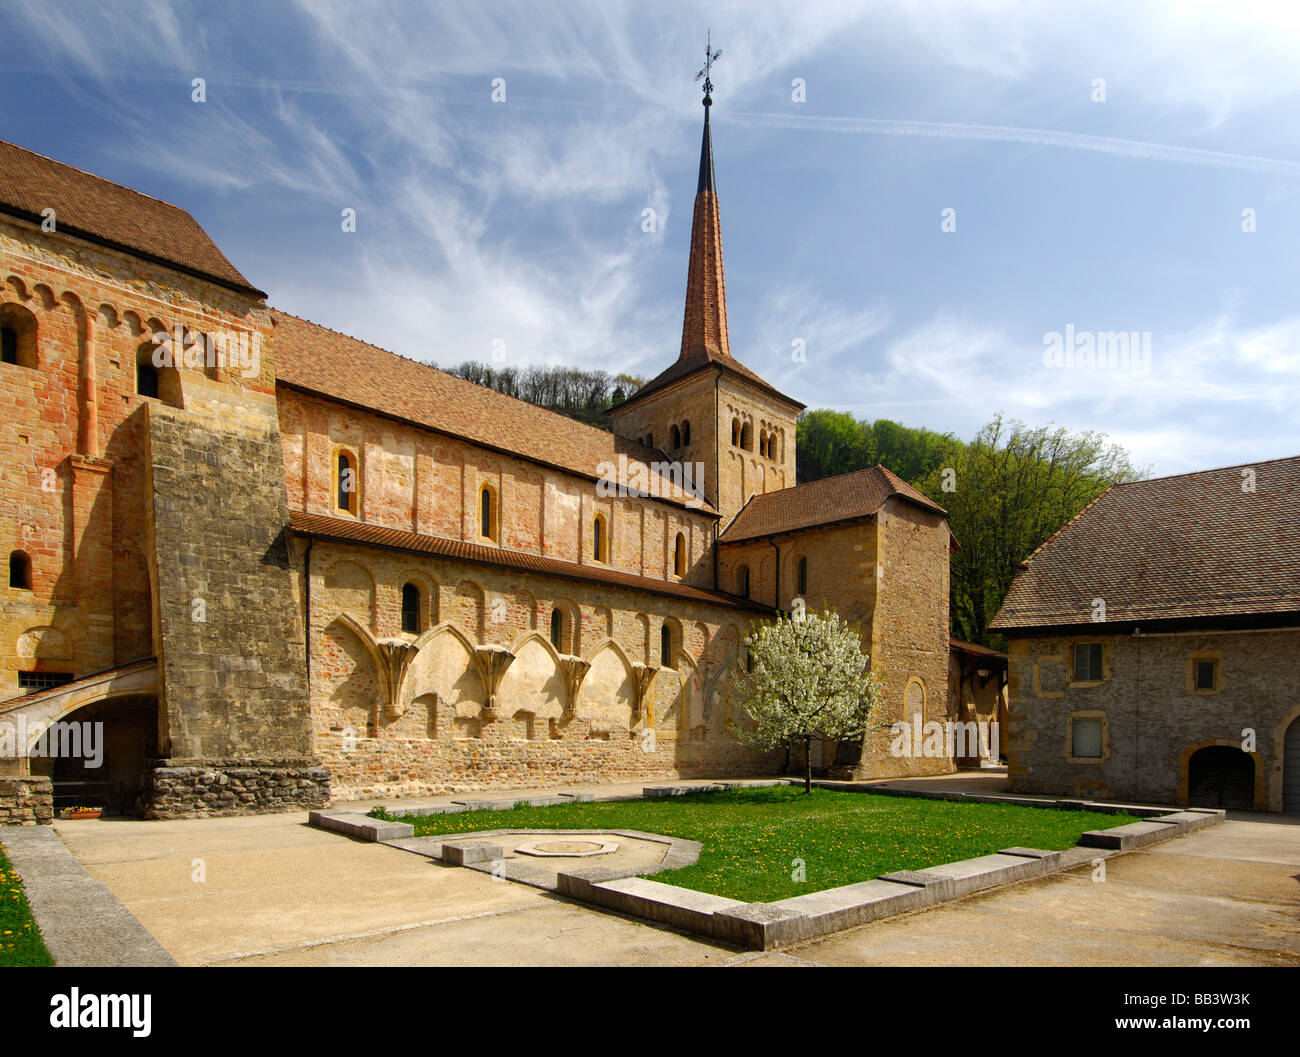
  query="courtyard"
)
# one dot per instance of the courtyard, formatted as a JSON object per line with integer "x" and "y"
{"x": 270, "y": 890}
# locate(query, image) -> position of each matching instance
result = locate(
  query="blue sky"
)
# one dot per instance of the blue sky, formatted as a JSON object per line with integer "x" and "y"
{"x": 522, "y": 221}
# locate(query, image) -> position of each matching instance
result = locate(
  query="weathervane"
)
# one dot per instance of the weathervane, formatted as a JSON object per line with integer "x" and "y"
{"x": 710, "y": 57}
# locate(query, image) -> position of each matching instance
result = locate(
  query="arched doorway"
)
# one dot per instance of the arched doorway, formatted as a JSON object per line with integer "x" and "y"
{"x": 101, "y": 762}
{"x": 1221, "y": 776}
{"x": 1291, "y": 767}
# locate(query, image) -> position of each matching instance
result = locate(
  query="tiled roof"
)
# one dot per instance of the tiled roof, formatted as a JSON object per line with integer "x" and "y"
{"x": 322, "y": 361}
{"x": 975, "y": 649}
{"x": 699, "y": 360}
{"x": 93, "y": 208}
{"x": 340, "y": 529}
{"x": 842, "y": 498}
{"x": 1191, "y": 546}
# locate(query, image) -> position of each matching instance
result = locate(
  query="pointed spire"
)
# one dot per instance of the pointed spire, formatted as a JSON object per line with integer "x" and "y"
{"x": 704, "y": 327}
{"x": 706, "y": 154}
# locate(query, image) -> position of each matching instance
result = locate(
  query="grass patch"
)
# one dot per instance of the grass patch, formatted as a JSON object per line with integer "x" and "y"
{"x": 20, "y": 937}
{"x": 752, "y": 837}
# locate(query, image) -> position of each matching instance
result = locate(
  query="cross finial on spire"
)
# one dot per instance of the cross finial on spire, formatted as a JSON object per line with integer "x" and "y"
{"x": 710, "y": 57}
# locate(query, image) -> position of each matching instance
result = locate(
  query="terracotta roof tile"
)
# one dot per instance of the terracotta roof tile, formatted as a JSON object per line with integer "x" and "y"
{"x": 340, "y": 529}
{"x": 842, "y": 498}
{"x": 1190, "y": 546}
{"x": 91, "y": 207}
{"x": 333, "y": 365}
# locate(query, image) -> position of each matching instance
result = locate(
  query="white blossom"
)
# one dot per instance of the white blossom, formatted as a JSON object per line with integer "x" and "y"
{"x": 805, "y": 679}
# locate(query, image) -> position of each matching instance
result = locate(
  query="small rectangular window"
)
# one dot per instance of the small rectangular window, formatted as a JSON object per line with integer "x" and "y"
{"x": 1087, "y": 662}
{"x": 1206, "y": 671}
{"x": 34, "y": 681}
{"x": 1086, "y": 738}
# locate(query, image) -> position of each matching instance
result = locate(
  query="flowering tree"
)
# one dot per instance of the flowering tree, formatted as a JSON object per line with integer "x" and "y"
{"x": 806, "y": 678}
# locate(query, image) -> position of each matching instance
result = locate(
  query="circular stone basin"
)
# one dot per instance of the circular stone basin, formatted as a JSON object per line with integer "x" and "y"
{"x": 572, "y": 848}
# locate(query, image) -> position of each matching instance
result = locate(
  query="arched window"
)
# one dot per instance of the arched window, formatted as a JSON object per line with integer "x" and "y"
{"x": 735, "y": 432}
{"x": 686, "y": 433}
{"x": 649, "y": 440}
{"x": 159, "y": 383}
{"x": 747, "y": 437}
{"x": 20, "y": 570}
{"x": 742, "y": 581}
{"x": 679, "y": 555}
{"x": 801, "y": 575}
{"x": 146, "y": 379}
{"x": 762, "y": 444}
{"x": 666, "y": 647}
{"x": 345, "y": 482}
{"x": 488, "y": 514}
{"x": 774, "y": 447}
{"x": 676, "y": 435}
{"x": 411, "y": 609}
{"x": 557, "y": 628}
{"x": 17, "y": 336}
{"x": 599, "y": 540}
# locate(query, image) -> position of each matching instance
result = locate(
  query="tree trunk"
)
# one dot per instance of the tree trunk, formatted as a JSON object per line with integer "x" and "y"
{"x": 807, "y": 765}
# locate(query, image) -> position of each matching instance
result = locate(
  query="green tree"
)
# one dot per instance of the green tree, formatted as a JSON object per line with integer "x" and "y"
{"x": 1007, "y": 492}
{"x": 806, "y": 678}
{"x": 828, "y": 443}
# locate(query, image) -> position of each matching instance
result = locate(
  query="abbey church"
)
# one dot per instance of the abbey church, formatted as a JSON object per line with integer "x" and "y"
{"x": 282, "y": 566}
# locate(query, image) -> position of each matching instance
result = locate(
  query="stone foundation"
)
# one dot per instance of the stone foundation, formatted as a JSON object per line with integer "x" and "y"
{"x": 413, "y": 767}
{"x": 201, "y": 788}
{"x": 26, "y": 801}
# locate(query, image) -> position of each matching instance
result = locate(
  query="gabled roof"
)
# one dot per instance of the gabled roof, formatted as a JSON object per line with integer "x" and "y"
{"x": 1190, "y": 546}
{"x": 347, "y": 531}
{"x": 326, "y": 363}
{"x": 846, "y": 497}
{"x": 100, "y": 211}
{"x": 700, "y": 360}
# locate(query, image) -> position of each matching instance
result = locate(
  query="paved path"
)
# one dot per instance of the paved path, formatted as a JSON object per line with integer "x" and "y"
{"x": 82, "y": 923}
{"x": 269, "y": 890}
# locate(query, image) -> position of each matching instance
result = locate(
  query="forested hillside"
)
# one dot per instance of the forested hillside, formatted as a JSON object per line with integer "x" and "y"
{"x": 584, "y": 395}
{"x": 1007, "y": 490}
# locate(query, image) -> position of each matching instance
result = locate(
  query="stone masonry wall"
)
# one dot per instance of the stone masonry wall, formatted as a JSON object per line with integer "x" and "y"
{"x": 438, "y": 734}
{"x": 1153, "y": 721}
{"x": 26, "y": 801}
{"x": 232, "y": 787}
{"x": 232, "y": 663}
{"x": 72, "y": 458}
{"x": 420, "y": 481}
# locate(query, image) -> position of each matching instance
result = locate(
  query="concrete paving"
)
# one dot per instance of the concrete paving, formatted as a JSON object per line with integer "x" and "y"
{"x": 82, "y": 923}
{"x": 269, "y": 890}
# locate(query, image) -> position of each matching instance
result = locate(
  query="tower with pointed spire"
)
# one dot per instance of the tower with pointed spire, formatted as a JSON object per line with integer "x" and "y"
{"x": 708, "y": 408}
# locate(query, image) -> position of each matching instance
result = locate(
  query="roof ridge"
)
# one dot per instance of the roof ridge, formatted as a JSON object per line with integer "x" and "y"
{"x": 464, "y": 381}
{"x": 1212, "y": 469}
{"x": 96, "y": 176}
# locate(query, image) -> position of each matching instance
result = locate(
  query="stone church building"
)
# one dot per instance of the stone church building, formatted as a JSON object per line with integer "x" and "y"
{"x": 280, "y": 565}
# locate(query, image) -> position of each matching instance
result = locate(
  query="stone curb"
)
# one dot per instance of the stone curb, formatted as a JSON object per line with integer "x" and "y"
{"x": 766, "y": 926}
{"x": 81, "y": 921}
{"x": 363, "y": 827}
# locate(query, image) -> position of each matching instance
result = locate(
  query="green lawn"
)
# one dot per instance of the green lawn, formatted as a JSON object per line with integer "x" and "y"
{"x": 752, "y": 837}
{"x": 20, "y": 938}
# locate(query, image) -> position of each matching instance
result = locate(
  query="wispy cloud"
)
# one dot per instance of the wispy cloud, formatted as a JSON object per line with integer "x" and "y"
{"x": 1034, "y": 136}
